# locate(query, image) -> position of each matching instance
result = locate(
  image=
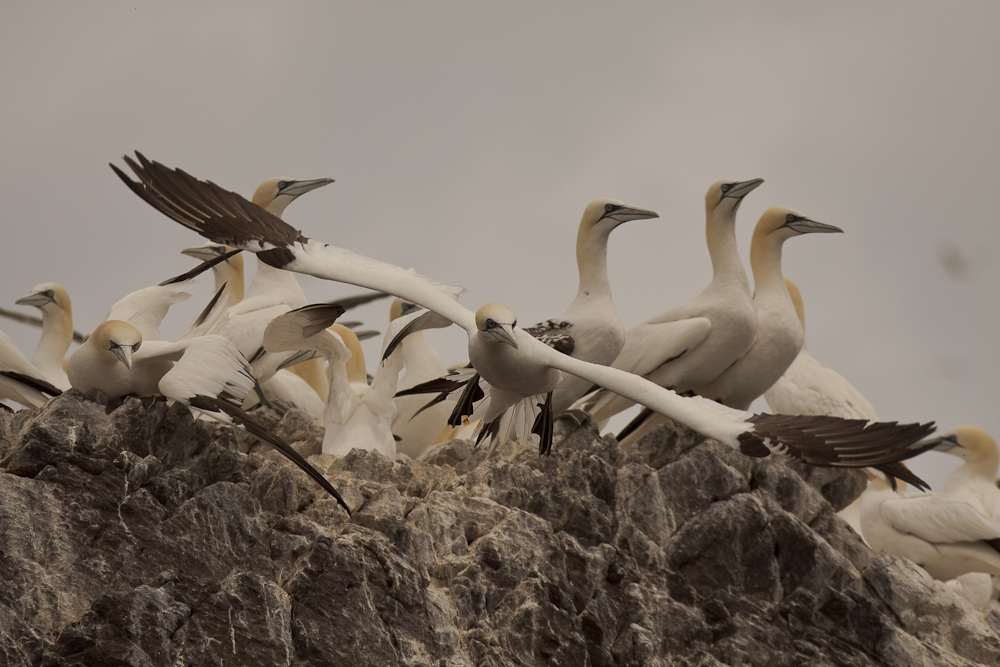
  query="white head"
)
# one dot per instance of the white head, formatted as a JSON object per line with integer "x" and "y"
{"x": 611, "y": 213}
{"x": 275, "y": 194}
{"x": 117, "y": 338}
{"x": 49, "y": 297}
{"x": 726, "y": 196}
{"x": 971, "y": 443}
{"x": 496, "y": 322}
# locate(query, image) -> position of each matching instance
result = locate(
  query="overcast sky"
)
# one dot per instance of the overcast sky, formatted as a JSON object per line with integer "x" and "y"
{"x": 467, "y": 138}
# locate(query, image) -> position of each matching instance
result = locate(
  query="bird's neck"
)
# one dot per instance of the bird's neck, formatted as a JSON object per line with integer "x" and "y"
{"x": 765, "y": 262}
{"x": 720, "y": 234}
{"x": 592, "y": 263}
{"x": 57, "y": 335}
{"x": 231, "y": 276}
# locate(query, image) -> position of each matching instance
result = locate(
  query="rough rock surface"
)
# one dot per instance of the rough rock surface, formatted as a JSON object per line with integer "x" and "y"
{"x": 136, "y": 535}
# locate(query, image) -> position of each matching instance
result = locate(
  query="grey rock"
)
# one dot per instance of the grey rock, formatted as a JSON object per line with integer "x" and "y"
{"x": 133, "y": 534}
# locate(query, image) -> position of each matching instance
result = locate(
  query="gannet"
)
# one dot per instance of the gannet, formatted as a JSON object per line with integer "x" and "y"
{"x": 589, "y": 329}
{"x": 357, "y": 415}
{"x": 20, "y": 380}
{"x": 940, "y": 533}
{"x": 417, "y": 429}
{"x": 57, "y": 330}
{"x": 974, "y": 482}
{"x": 205, "y": 372}
{"x": 779, "y": 332}
{"x": 228, "y": 273}
{"x": 689, "y": 345}
{"x": 515, "y": 364}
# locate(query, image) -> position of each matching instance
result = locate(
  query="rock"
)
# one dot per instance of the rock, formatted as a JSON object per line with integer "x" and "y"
{"x": 133, "y": 534}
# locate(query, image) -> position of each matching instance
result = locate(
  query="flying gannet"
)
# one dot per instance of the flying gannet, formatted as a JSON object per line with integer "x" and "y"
{"x": 205, "y": 372}
{"x": 19, "y": 379}
{"x": 943, "y": 535}
{"x": 691, "y": 344}
{"x": 57, "y": 330}
{"x": 357, "y": 415}
{"x": 974, "y": 482}
{"x": 589, "y": 329}
{"x": 518, "y": 367}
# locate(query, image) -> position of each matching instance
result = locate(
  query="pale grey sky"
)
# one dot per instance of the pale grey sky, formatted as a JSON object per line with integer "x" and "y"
{"x": 467, "y": 138}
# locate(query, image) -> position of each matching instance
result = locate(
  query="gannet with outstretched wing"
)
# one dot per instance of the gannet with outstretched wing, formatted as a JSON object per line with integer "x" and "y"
{"x": 508, "y": 358}
{"x": 357, "y": 415}
{"x": 975, "y": 481}
{"x": 205, "y": 372}
{"x": 19, "y": 379}
{"x": 689, "y": 345}
{"x": 57, "y": 330}
{"x": 940, "y": 533}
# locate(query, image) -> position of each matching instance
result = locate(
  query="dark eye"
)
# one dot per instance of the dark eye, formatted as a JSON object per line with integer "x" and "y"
{"x": 490, "y": 324}
{"x": 49, "y": 293}
{"x": 114, "y": 346}
{"x": 726, "y": 187}
{"x": 789, "y": 218}
{"x": 514, "y": 324}
{"x": 609, "y": 207}
{"x": 282, "y": 185}
{"x": 136, "y": 346}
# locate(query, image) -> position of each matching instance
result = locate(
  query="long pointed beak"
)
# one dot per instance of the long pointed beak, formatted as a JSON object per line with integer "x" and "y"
{"x": 204, "y": 253}
{"x": 37, "y": 299}
{"x": 946, "y": 443}
{"x": 296, "y": 188}
{"x": 503, "y": 333}
{"x": 124, "y": 354}
{"x": 626, "y": 213}
{"x": 743, "y": 188}
{"x": 807, "y": 226}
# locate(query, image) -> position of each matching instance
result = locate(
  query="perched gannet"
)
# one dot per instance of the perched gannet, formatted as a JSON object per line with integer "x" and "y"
{"x": 205, "y": 372}
{"x": 57, "y": 330}
{"x": 589, "y": 329}
{"x": 779, "y": 332}
{"x": 975, "y": 481}
{"x": 228, "y": 273}
{"x": 416, "y": 428}
{"x": 516, "y": 366}
{"x": 936, "y": 531}
{"x": 691, "y": 344}
{"x": 20, "y": 380}
{"x": 357, "y": 415}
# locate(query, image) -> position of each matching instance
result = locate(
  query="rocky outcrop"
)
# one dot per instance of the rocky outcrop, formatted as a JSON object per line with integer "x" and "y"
{"x": 136, "y": 535}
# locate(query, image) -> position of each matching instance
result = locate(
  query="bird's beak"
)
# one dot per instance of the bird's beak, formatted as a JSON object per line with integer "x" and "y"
{"x": 626, "y": 213}
{"x": 743, "y": 188}
{"x": 37, "y": 299}
{"x": 203, "y": 253}
{"x": 807, "y": 226}
{"x": 946, "y": 443}
{"x": 296, "y": 188}
{"x": 503, "y": 333}
{"x": 298, "y": 358}
{"x": 124, "y": 354}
